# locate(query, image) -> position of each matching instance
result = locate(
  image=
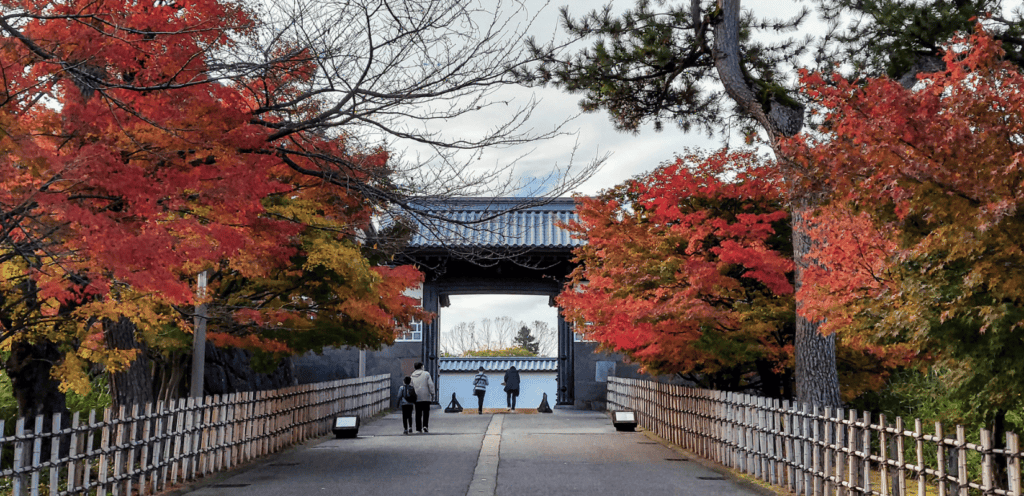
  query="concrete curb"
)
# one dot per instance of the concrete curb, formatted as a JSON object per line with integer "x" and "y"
{"x": 485, "y": 476}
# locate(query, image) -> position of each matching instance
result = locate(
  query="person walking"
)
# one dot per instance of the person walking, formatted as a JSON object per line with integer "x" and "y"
{"x": 480, "y": 389}
{"x": 511, "y": 387}
{"x": 407, "y": 400}
{"x": 424, "y": 386}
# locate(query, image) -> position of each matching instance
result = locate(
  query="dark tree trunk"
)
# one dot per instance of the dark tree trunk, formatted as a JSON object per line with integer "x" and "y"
{"x": 999, "y": 473}
{"x": 817, "y": 380}
{"x": 29, "y": 367}
{"x": 133, "y": 385}
{"x": 36, "y": 392}
{"x": 169, "y": 369}
{"x": 774, "y": 384}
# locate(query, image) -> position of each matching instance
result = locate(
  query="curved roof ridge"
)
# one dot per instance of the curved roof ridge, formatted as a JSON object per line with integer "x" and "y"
{"x": 533, "y": 226}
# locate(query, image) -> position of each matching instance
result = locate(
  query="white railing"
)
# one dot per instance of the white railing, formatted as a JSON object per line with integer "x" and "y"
{"x": 150, "y": 448}
{"x": 814, "y": 451}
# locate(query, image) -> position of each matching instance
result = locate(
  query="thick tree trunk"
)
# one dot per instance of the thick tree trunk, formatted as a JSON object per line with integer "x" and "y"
{"x": 817, "y": 380}
{"x": 133, "y": 385}
{"x": 169, "y": 376}
{"x": 29, "y": 367}
{"x": 36, "y": 392}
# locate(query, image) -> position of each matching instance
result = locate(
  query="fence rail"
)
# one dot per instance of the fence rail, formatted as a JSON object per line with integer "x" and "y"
{"x": 152, "y": 447}
{"x": 815, "y": 451}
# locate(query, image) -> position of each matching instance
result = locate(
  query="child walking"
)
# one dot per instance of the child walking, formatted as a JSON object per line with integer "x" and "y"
{"x": 479, "y": 389}
{"x": 407, "y": 400}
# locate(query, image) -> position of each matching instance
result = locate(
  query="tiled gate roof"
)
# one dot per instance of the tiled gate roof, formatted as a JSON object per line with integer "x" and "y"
{"x": 530, "y": 227}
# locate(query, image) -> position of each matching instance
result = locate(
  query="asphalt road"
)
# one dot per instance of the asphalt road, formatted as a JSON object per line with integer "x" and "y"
{"x": 567, "y": 452}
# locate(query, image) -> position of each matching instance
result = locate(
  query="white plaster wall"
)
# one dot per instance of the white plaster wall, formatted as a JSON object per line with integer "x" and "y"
{"x": 532, "y": 386}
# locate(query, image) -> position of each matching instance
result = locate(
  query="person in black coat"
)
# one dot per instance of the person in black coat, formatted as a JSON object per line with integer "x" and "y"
{"x": 511, "y": 387}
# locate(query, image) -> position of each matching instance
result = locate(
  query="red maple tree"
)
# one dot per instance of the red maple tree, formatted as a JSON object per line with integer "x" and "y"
{"x": 688, "y": 270}
{"x": 128, "y": 167}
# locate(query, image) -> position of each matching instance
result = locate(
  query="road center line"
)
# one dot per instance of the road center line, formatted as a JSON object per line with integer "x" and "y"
{"x": 485, "y": 477}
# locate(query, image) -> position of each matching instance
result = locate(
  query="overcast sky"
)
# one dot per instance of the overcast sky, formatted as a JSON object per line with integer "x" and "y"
{"x": 594, "y": 136}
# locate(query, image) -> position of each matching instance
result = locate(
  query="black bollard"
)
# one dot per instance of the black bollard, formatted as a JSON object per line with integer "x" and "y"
{"x": 454, "y": 406}
{"x": 544, "y": 407}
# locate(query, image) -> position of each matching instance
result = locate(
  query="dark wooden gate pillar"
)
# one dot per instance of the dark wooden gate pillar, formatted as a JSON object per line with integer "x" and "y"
{"x": 566, "y": 363}
{"x": 431, "y": 333}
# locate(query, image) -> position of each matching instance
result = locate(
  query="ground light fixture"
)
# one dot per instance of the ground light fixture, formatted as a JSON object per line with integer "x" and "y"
{"x": 345, "y": 426}
{"x": 624, "y": 420}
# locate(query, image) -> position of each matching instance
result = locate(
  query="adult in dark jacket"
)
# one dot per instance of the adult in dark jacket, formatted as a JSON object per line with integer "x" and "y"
{"x": 511, "y": 387}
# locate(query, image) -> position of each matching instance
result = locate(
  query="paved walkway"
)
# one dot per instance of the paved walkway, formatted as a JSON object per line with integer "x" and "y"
{"x": 567, "y": 452}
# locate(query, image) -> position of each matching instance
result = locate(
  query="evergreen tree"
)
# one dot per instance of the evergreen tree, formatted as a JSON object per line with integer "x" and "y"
{"x": 901, "y": 38}
{"x": 526, "y": 341}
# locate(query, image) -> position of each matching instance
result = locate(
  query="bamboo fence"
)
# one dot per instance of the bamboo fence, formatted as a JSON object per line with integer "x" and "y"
{"x": 821, "y": 451}
{"x": 150, "y": 448}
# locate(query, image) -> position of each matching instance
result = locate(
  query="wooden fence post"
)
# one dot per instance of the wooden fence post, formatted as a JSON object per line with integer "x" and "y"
{"x": 901, "y": 463}
{"x": 788, "y": 444}
{"x": 1013, "y": 464}
{"x": 866, "y": 450}
{"x": 852, "y": 440}
{"x": 175, "y": 429}
{"x": 20, "y": 453}
{"x": 807, "y": 450}
{"x": 919, "y": 465}
{"x": 118, "y": 456}
{"x": 55, "y": 444}
{"x": 940, "y": 459}
{"x": 830, "y": 451}
{"x": 961, "y": 462}
{"x": 884, "y": 446}
{"x": 817, "y": 424}
{"x": 165, "y": 414}
{"x": 986, "y": 461}
{"x": 144, "y": 463}
{"x": 101, "y": 476}
{"x": 74, "y": 476}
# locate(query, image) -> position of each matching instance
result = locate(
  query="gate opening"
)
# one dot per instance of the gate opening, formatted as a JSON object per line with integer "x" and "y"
{"x": 485, "y": 325}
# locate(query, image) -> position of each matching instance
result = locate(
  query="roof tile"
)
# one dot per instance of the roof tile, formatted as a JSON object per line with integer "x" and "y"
{"x": 494, "y": 364}
{"x": 532, "y": 227}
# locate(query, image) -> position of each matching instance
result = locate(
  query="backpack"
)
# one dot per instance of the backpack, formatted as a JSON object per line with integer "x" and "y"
{"x": 409, "y": 394}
